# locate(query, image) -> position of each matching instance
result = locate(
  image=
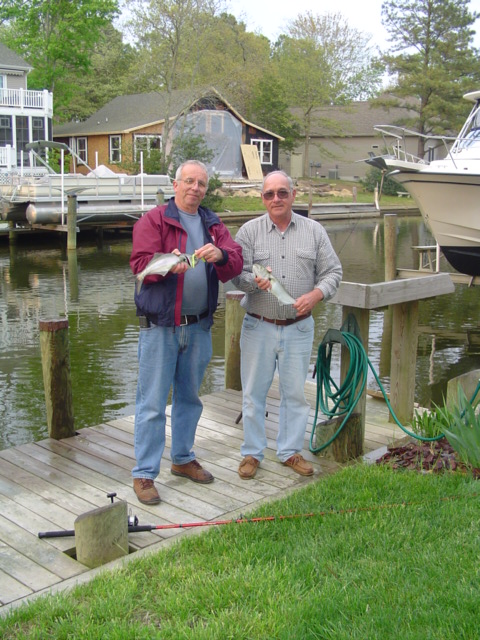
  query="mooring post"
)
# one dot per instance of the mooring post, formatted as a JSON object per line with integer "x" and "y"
{"x": 56, "y": 377}
{"x": 233, "y": 326}
{"x": 72, "y": 221}
{"x": 390, "y": 250}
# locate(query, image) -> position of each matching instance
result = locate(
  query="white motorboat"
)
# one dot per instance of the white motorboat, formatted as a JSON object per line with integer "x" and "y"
{"x": 40, "y": 197}
{"x": 447, "y": 190}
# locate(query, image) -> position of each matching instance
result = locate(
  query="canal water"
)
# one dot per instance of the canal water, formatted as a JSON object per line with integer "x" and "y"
{"x": 93, "y": 288}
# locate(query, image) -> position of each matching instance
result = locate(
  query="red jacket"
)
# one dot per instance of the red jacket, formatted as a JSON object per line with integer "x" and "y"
{"x": 160, "y": 231}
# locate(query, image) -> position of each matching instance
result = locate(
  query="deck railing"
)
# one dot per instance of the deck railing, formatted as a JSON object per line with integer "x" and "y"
{"x": 27, "y": 99}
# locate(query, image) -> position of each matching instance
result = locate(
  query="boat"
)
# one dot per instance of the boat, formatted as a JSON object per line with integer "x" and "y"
{"x": 446, "y": 190}
{"x": 40, "y": 196}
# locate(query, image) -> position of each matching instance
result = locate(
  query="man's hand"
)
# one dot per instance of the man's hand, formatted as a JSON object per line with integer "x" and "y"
{"x": 304, "y": 304}
{"x": 210, "y": 253}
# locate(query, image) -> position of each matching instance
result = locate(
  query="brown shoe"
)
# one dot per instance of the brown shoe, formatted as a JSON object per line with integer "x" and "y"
{"x": 193, "y": 471}
{"x": 145, "y": 491}
{"x": 299, "y": 465}
{"x": 248, "y": 467}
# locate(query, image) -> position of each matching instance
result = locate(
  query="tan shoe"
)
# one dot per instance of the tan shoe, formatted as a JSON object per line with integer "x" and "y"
{"x": 299, "y": 465}
{"x": 193, "y": 471}
{"x": 248, "y": 468}
{"x": 146, "y": 491}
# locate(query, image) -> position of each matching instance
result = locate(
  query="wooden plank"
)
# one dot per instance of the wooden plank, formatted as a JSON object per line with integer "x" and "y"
{"x": 24, "y": 570}
{"x": 252, "y": 161}
{"x": 383, "y": 294}
{"x": 11, "y": 589}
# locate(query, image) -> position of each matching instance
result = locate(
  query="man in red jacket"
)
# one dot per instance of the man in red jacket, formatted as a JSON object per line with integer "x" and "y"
{"x": 176, "y": 314}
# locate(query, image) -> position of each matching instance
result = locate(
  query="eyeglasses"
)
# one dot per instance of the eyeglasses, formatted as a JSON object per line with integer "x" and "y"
{"x": 191, "y": 181}
{"x": 282, "y": 194}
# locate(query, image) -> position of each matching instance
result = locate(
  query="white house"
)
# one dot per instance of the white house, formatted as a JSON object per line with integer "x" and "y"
{"x": 25, "y": 115}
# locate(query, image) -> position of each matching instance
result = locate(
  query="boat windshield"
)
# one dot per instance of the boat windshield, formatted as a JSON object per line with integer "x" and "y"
{"x": 469, "y": 136}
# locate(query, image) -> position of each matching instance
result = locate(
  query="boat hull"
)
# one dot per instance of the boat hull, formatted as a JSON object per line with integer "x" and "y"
{"x": 450, "y": 206}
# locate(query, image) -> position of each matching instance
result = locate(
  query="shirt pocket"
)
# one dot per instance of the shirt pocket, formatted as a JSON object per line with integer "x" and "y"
{"x": 305, "y": 264}
{"x": 262, "y": 256}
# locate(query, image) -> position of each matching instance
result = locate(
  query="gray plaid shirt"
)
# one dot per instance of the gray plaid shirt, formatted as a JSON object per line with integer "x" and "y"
{"x": 301, "y": 258}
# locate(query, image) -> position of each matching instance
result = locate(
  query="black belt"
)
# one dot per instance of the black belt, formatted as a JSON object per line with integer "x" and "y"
{"x": 281, "y": 323}
{"x": 192, "y": 319}
{"x": 184, "y": 320}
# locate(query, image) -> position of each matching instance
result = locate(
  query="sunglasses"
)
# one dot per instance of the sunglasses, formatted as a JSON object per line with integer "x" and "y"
{"x": 282, "y": 194}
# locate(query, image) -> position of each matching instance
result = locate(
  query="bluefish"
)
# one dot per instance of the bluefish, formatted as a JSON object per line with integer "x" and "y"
{"x": 283, "y": 296}
{"x": 161, "y": 263}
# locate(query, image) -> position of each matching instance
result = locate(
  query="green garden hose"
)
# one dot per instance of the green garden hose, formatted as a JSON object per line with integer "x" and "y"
{"x": 335, "y": 401}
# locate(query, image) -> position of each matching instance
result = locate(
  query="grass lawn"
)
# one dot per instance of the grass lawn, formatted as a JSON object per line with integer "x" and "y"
{"x": 252, "y": 203}
{"x": 387, "y": 554}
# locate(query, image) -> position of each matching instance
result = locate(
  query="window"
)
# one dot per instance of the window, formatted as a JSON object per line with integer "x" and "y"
{"x": 5, "y": 131}
{"x": 3, "y": 82}
{"x": 265, "y": 150}
{"x": 21, "y": 129}
{"x": 38, "y": 129}
{"x": 115, "y": 149}
{"x": 81, "y": 144}
{"x": 146, "y": 143}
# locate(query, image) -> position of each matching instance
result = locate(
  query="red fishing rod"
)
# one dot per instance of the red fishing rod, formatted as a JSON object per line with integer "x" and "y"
{"x": 134, "y": 527}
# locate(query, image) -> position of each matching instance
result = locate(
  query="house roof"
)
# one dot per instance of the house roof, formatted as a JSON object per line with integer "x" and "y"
{"x": 125, "y": 114}
{"x": 11, "y": 61}
{"x": 355, "y": 119}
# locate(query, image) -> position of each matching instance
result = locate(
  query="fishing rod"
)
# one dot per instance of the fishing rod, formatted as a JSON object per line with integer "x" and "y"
{"x": 134, "y": 527}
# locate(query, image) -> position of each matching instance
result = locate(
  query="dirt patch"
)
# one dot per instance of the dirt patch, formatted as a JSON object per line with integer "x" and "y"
{"x": 426, "y": 457}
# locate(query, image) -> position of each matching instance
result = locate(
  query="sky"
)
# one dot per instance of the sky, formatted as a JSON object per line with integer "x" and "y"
{"x": 270, "y": 17}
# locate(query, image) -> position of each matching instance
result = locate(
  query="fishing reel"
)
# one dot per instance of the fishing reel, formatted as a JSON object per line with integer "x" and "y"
{"x": 132, "y": 523}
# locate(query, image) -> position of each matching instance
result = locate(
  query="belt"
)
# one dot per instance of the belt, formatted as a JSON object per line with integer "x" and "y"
{"x": 184, "y": 320}
{"x": 281, "y": 323}
{"x": 192, "y": 319}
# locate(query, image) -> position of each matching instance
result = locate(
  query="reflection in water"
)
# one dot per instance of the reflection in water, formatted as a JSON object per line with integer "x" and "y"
{"x": 93, "y": 287}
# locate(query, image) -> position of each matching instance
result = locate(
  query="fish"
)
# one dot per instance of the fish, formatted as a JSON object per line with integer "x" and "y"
{"x": 162, "y": 263}
{"x": 283, "y": 296}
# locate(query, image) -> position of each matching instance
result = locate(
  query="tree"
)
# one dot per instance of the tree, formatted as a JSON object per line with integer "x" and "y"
{"x": 55, "y": 37}
{"x": 109, "y": 75}
{"x": 323, "y": 61}
{"x": 432, "y": 61}
{"x": 167, "y": 31}
{"x": 269, "y": 109}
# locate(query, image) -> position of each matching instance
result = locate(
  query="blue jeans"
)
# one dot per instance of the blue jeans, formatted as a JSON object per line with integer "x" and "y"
{"x": 265, "y": 346}
{"x": 176, "y": 358}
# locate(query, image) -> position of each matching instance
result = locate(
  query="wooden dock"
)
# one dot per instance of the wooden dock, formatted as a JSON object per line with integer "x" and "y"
{"x": 45, "y": 485}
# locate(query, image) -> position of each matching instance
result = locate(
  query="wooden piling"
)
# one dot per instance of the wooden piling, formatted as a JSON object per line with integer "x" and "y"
{"x": 56, "y": 377}
{"x": 72, "y": 222}
{"x": 233, "y": 326}
{"x": 101, "y": 535}
{"x": 390, "y": 251}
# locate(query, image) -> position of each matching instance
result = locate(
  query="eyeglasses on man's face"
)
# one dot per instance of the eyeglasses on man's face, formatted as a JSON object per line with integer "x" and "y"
{"x": 190, "y": 182}
{"x": 282, "y": 194}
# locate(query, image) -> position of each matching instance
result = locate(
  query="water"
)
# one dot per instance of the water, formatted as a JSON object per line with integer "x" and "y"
{"x": 93, "y": 288}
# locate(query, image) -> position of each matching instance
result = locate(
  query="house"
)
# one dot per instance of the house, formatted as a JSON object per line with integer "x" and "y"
{"x": 342, "y": 137}
{"x": 129, "y": 124}
{"x": 25, "y": 115}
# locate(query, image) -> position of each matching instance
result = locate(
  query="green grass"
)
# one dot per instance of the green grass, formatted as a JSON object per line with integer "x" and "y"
{"x": 252, "y": 203}
{"x": 400, "y": 561}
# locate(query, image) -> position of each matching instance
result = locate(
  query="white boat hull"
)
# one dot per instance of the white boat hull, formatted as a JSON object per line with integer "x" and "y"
{"x": 450, "y": 206}
{"x": 446, "y": 190}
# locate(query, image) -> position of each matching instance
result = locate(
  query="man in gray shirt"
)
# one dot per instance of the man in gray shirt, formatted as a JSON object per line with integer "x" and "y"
{"x": 298, "y": 253}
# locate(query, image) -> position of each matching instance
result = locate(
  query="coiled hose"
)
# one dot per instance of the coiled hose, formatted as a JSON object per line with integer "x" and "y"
{"x": 335, "y": 401}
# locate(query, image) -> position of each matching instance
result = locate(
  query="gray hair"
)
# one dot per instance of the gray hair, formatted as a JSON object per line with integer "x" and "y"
{"x": 178, "y": 173}
{"x": 281, "y": 173}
